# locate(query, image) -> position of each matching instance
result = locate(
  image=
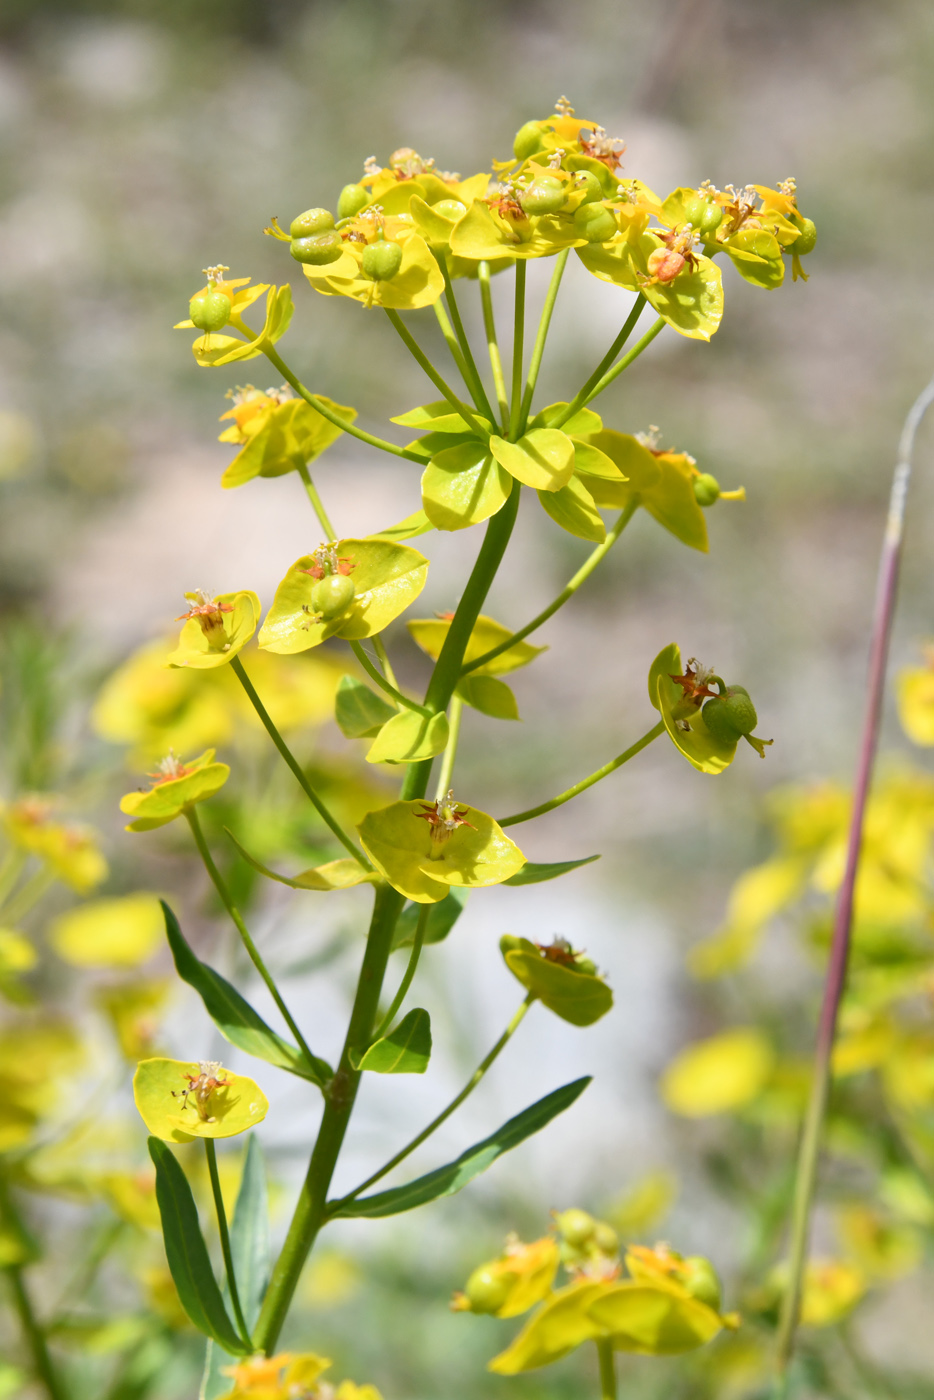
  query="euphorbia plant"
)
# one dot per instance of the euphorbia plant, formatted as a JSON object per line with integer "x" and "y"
{"x": 402, "y": 239}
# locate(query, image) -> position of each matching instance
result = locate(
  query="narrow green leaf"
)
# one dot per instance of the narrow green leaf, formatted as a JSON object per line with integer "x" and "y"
{"x": 489, "y": 696}
{"x": 441, "y": 919}
{"x": 405, "y": 1050}
{"x": 249, "y": 1245}
{"x": 359, "y": 711}
{"x": 532, "y": 874}
{"x": 448, "y": 1180}
{"x": 187, "y": 1254}
{"x": 234, "y": 1017}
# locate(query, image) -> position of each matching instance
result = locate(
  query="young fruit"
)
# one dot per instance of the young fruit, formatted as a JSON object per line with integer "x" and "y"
{"x": 700, "y": 1279}
{"x": 575, "y": 1227}
{"x": 319, "y": 249}
{"x": 210, "y": 311}
{"x": 587, "y": 181}
{"x": 487, "y": 1290}
{"x": 730, "y": 716}
{"x": 450, "y": 208}
{"x": 807, "y": 238}
{"x": 351, "y": 200}
{"x": 595, "y": 223}
{"x": 382, "y": 260}
{"x": 703, "y": 215}
{"x": 311, "y": 222}
{"x": 546, "y": 195}
{"x": 528, "y": 140}
{"x": 706, "y": 489}
{"x": 332, "y": 595}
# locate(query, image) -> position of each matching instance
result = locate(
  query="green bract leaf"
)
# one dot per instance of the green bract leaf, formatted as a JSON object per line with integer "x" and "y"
{"x": 489, "y": 696}
{"x": 463, "y": 485}
{"x": 409, "y": 737}
{"x": 407, "y": 529}
{"x": 479, "y": 235}
{"x": 583, "y": 421}
{"x": 386, "y": 578}
{"x": 359, "y": 711}
{"x": 205, "y": 647}
{"x": 405, "y": 1050}
{"x": 438, "y": 417}
{"x": 187, "y": 1253}
{"x": 573, "y": 509}
{"x": 213, "y": 349}
{"x": 757, "y": 256}
{"x": 441, "y": 919}
{"x": 684, "y": 721}
{"x": 249, "y": 1247}
{"x": 576, "y": 996}
{"x": 661, "y": 482}
{"x": 542, "y": 458}
{"x": 341, "y": 874}
{"x": 532, "y": 874}
{"x": 473, "y": 850}
{"x": 233, "y": 1016}
{"x": 430, "y": 634}
{"x": 175, "y": 1111}
{"x": 590, "y": 461}
{"x": 279, "y": 437}
{"x": 692, "y": 304}
{"x": 560, "y": 1325}
{"x": 446, "y": 1181}
{"x": 653, "y": 1319}
{"x": 168, "y": 798}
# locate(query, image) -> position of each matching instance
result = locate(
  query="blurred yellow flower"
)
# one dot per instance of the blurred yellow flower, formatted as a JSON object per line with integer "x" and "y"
{"x": 719, "y": 1075}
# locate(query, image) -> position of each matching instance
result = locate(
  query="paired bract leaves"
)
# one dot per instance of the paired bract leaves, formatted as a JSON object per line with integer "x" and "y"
{"x": 277, "y": 435}
{"x": 159, "y": 1088}
{"x": 487, "y": 633}
{"x": 213, "y": 349}
{"x": 463, "y": 485}
{"x": 169, "y": 796}
{"x": 401, "y": 844}
{"x": 224, "y": 632}
{"x": 660, "y": 482}
{"x": 684, "y": 719}
{"x": 577, "y": 996}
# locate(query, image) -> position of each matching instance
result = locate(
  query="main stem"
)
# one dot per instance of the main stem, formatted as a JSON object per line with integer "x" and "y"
{"x": 587, "y": 782}
{"x": 806, "y": 1179}
{"x": 607, "y": 1369}
{"x": 41, "y": 1360}
{"x": 220, "y": 1212}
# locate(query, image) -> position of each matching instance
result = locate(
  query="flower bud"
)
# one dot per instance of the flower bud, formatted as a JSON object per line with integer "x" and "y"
{"x": 807, "y": 238}
{"x": 587, "y": 181}
{"x": 382, "y": 260}
{"x": 575, "y": 1227}
{"x": 546, "y": 195}
{"x": 706, "y": 489}
{"x": 450, "y": 208}
{"x": 319, "y": 249}
{"x": 210, "y": 311}
{"x": 702, "y": 214}
{"x": 528, "y": 140}
{"x": 487, "y": 1289}
{"x": 351, "y": 200}
{"x": 332, "y": 595}
{"x": 700, "y": 1279}
{"x": 605, "y": 1238}
{"x": 595, "y": 223}
{"x": 729, "y": 717}
{"x": 311, "y": 222}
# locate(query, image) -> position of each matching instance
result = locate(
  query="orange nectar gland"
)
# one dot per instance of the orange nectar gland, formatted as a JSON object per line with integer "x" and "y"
{"x": 606, "y": 149}
{"x": 210, "y": 616}
{"x": 560, "y": 951}
{"x": 443, "y": 817}
{"x": 169, "y": 768}
{"x": 694, "y": 682}
{"x": 201, "y": 1086}
{"x": 666, "y": 262}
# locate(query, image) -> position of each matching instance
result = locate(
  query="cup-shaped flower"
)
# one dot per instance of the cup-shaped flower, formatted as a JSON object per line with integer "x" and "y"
{"x": 685, "y": 290}
{"x": 423, "y": 848}
{"x": 176, "y": 786}
{"x": 514, "y": 1282}
{"x": 213, "y": 349}
{"x": 678, "y": 692}
{"x": 349, "y": 588}
{"x": 69, "y": 849}
{"x": 393, "y": 186}
{"x": 384, "y": 262}
{"x": 215, "y": 628}
{"x": 563, "y": 980}
{"x": 179, "y": 1100}
{"x": 276, "y": 432}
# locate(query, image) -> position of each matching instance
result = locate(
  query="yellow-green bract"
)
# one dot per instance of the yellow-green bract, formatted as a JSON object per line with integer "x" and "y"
{"x": 399, "y": 841}
{"x": 574, "y": 995}
{"x": 661, "y": 482}
{"x": 160, "y": 1087}
{"x": 683, "y": 719}
{"x": 236, "y": 627}
{"x": 195, "y": 782}
{"x": 430, "y": 632}
{"x": 278, "y": 437}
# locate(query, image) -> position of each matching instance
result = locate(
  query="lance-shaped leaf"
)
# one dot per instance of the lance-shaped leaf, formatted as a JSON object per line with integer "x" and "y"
{"x": 463, "y": 485}
{"x": 543, "y": 458}
{"x": 409, "y": 737}
{"x": 430, "y": 634}
{"x": 174, "y": 1107}
{"x": 187, "y": 1253}
{"x": 408, "y": 529}
{"x": 437, "y": 417}
{"x": 532, "y": 874}
{"x": 405, "y": 1050}
{"x": 489, "y": 696}
{"x": 234, "y": 1017}
{"x": 448, "y": 1180}
{"x": 386, "y": 578}
{"x": 359, "y": 711}
{"x": 577, "y": 996}
{"x": 249, "y": 1246}
{"x": 474, "y": 851}
{"x": 685, "y": 721}
{"x": 441, "y": 919}
{"x": 573, "y": 509}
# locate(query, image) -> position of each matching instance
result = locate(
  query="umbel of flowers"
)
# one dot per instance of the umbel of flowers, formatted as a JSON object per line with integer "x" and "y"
{"x": 401, "y": 238}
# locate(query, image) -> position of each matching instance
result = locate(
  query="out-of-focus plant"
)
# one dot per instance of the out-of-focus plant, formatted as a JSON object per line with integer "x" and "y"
{"x": 402, "y": 238}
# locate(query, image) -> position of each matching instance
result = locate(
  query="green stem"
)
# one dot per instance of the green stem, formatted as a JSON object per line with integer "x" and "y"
{"x": 442, "y": 1117}
{"x": 567, "y": 592}
{"x": 14, "y": 863}
{"x": 447, "y": 330}
{"x": 310, "y": 1210}
{"x": 292, "y": 761}
{"x": 607, "y": 1369}
{"x": 420, "y": 930}
{"x": 624, "y": 363}
{"x": 518, "y": 347}
{"x": 444, "y": 388}
{"x": 383, "y": 683}
{"x": 472, "y": 378}
{"x": 210, "y": 1153}
{"x": 543, "y": 325}
{"x": 34, "y": 1334}
{"x": 450, "y": 751}
{"x": 29, "y": 894}
{"x": 317, "y": 505}
{"x": 274, "y": 358}
{"x": 496, "y": 360}
{"x": 218, "y": 881}
{"x": 585, "y": 783}
{"x": 581, "y": 397}
{"x": 384, "y": 661}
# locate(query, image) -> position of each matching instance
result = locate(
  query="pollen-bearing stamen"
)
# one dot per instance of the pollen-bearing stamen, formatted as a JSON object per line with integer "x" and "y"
{"x": 169, "y": 768}
{"x": 201, "y": 1086}
{"x": 215, "y": 274}
{"x": 444, "y": 817}
{"x": 326, "y": 560}
{"x": 606, "y": 149}
{"x": 694, "y": 681}
{"x": 209, "y": 613}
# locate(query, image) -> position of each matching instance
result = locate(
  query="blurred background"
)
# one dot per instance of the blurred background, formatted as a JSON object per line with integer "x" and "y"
{"x": 140, "y": 142}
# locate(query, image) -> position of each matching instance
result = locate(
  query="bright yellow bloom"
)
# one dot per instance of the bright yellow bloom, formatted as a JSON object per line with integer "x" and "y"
{"x": 70, "y": 850}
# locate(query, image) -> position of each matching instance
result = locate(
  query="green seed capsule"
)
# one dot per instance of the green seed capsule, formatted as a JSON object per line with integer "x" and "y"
{"x": 575, "y": 1227}
{"x": 332, "y": 596}
{"x": 730, "y": 716}
{"x": 587, "y": 181}
{"x": 703, "y": 214}
{"x": 318, "y": 250}
{"x": 210, "y": 311}
{"x": 706, "y": 489}
{"x": 605, "y": 1238}
{"x": 311, "y": 222}
{"x": 595, "y": 223}
{"x": 700, "y": 1279}
{"x": 487, "y": 1290}
{"x": 351, "y": 200}
{"x": 382, "y": 260}
{"x": 546, "y": 195}
{"x": 585, "y": 965}
{"x": 450, "y": 208}
{"x": 528, "y": 140}
{"x": 807, "y": 238}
